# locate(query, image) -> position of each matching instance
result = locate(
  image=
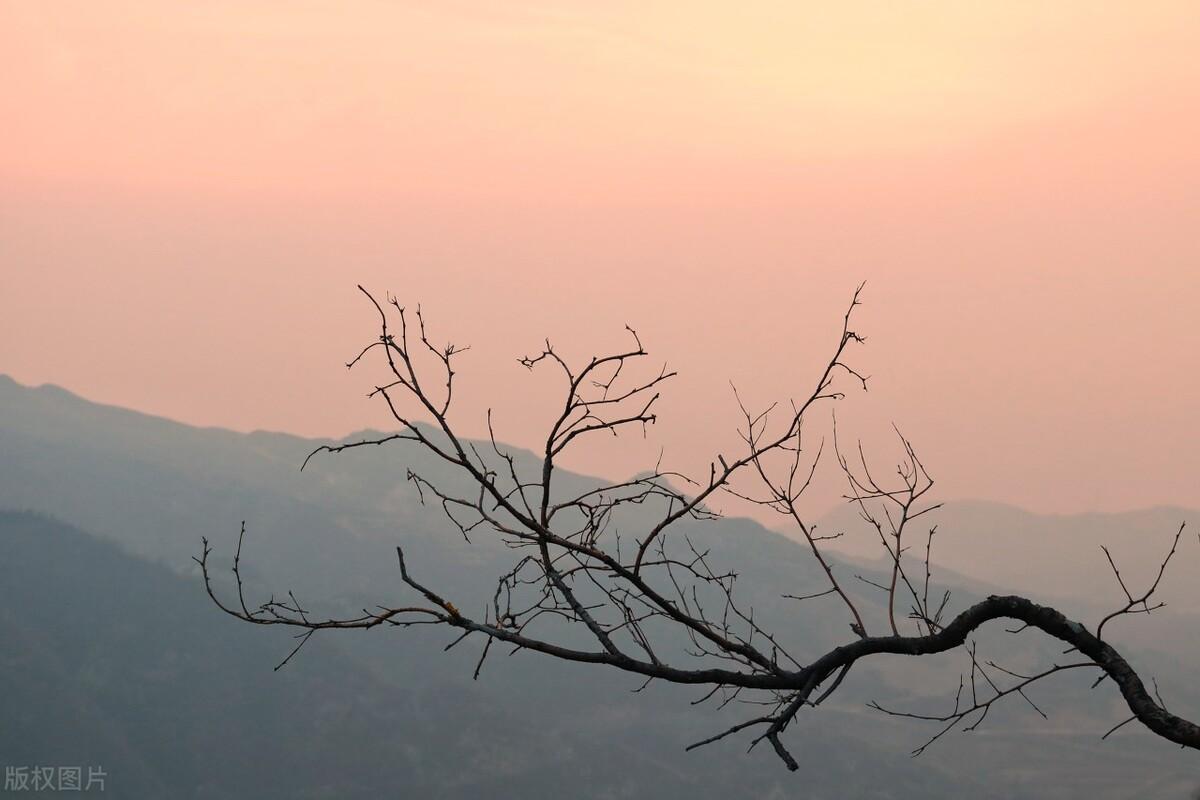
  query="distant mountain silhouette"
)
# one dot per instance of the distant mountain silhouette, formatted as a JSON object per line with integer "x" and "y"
{"x": 118, "y": 660}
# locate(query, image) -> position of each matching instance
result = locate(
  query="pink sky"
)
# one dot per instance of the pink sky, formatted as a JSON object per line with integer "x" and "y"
{"x": 190, "y": 192}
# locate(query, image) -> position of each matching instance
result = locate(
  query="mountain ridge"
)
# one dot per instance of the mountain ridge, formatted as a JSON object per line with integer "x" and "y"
{"x": 834, "y": 516}
{"x": 330, "y": 533}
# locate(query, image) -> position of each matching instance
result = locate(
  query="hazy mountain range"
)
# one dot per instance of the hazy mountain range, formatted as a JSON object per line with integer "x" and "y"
{"x": 114, "y": 656}
{"x": 1049, "y": 555}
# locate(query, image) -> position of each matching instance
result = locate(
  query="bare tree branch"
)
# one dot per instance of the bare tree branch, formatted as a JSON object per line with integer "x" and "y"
{"x": 570, "y": 564}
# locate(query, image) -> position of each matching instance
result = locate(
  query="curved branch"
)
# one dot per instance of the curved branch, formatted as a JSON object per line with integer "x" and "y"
{"x": 799, "y": 684}
{"x": 1052, "y": 622}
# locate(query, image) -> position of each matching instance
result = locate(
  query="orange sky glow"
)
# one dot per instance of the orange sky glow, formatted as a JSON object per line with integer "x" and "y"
{"x": 189, "y": 193}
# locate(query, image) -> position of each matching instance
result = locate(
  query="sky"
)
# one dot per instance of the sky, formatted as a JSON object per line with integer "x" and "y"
{"x": 190, "y": 193}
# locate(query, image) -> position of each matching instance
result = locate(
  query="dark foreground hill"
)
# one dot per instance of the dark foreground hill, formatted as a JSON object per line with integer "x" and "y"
{"x": 113, "y": 662}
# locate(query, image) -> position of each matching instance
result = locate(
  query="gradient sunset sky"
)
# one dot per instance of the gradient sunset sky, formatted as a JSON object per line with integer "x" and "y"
{"x": 189, "y": 193}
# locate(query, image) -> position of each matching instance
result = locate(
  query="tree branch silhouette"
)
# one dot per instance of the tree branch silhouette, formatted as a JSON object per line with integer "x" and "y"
{"x": 634, "y": 598}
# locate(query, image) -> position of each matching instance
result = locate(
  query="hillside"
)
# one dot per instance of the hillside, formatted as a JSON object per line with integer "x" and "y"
{"x": 175, "y": 686}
